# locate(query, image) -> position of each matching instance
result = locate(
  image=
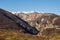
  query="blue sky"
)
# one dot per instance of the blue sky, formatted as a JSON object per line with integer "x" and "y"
{"x": 52, "y": 6}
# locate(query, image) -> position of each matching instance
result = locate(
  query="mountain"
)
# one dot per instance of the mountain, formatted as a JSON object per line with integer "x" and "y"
{"x": 11, "y": 21}
{"x": 29, "y": 26}
{"x": 37, "y": 17}
{"x": 42, "y": 21}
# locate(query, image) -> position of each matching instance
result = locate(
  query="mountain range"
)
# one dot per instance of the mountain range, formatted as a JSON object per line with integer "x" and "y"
{"x": 37, "y": 25}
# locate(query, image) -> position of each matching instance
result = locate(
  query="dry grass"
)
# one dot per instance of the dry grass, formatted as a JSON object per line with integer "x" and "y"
{"x": 11, "y": 35}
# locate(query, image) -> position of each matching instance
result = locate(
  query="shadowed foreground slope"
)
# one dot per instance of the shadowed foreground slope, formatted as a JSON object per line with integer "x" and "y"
{"x": 7, "y": 17}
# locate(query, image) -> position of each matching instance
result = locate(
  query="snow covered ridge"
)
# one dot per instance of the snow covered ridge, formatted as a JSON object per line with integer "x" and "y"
{"x": 18, "y": 12}
{"x": 27, "y": 12}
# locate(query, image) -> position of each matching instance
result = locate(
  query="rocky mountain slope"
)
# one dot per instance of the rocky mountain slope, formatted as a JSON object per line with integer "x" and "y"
{"x": 39, "y": 18}
{"x": 42, "y": 21}
{"x": 11, "y": 21}
{"x": 30, "y": 26}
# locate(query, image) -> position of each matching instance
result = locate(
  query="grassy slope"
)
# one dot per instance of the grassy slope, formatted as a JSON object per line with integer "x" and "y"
{"x": 17, "y": 35}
